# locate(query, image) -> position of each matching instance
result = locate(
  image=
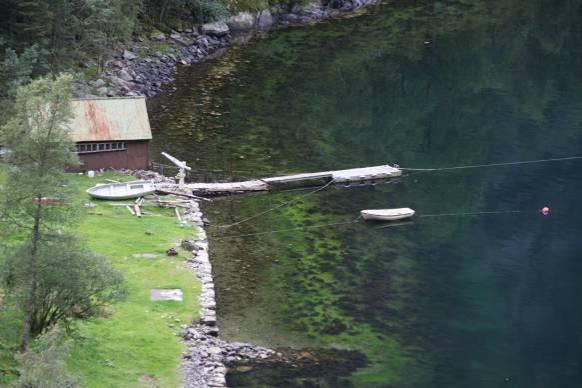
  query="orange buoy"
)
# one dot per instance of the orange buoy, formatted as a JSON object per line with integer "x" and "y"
{"x": 545, "y": 211}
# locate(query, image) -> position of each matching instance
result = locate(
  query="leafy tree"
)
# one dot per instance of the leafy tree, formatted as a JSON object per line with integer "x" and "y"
{"x": 15, "y": 70}
{"x": 71, "y": 283}
{"x": 68, "y": 31}
{"x": 49, "y": 276}
{"x": 103, "y": 24}
{"x": 191, "y": 11}
{"x": 204, "y": 11}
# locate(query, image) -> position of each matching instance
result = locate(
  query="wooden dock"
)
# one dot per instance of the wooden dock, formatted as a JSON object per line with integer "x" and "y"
{"x": 228, "y": 187}
{"x": 366, "y": 174}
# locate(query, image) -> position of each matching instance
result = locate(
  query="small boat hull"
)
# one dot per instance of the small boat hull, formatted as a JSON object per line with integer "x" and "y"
{"x": 387, "y": 214}
{"x": 121, "y": 191}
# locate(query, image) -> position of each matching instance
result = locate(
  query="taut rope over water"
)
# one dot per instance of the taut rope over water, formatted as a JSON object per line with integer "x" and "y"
{"x": 390, "y": 225}
{"x": 491, "y": 164}
{"x": 275, "y": 208}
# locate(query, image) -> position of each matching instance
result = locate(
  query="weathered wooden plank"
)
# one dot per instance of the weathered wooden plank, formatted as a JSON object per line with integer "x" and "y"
{"x": 366, "y": 173}
{"x": 201, "y": 188}
{"x": 298, "y": 177}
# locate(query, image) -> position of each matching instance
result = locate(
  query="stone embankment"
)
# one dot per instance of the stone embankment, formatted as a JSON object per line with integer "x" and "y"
{"x": 204, "y": 361}
{"x": 141, "y": 70}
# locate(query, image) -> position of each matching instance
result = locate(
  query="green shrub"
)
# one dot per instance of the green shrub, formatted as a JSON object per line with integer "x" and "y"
{"x": 44, "y": 366}
{"x": 204, "y": 11}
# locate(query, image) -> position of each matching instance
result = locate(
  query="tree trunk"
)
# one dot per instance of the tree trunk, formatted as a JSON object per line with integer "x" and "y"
{"x": 164, "y": 9}
{"x": 27, "y": 324}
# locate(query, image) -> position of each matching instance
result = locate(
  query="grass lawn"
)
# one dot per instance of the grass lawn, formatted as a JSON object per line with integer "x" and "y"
{"x": 137, "y": 343}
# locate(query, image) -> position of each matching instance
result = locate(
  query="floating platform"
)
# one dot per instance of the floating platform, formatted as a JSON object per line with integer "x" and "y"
{"x": 339, "y": 176}
{"x": 366, "y": 174}
{"x": 228, "y": 187}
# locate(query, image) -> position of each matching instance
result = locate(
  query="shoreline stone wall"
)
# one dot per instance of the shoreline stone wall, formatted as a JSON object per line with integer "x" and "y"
{"x": 203, "y": 363}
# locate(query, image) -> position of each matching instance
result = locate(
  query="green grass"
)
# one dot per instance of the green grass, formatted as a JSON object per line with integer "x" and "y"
{"x": 137, "y": 343}
{"x": 163, "y": 47}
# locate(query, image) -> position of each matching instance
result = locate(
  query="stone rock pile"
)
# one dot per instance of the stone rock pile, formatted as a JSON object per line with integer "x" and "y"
{"x": 207, "y": 356}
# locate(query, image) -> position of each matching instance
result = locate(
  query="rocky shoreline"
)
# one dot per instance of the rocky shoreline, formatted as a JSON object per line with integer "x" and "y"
{"x": 141, "y": 70}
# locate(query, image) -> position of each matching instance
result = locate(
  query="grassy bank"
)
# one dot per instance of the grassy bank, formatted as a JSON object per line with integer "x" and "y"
{"x": 136, "y": 344}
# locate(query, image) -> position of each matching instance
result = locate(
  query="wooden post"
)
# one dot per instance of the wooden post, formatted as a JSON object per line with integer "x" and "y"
{"x": 182, "y": 169}
{"x": 137, "y": 210}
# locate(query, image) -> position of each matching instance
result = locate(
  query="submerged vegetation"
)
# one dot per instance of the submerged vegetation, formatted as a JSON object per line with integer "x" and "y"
{"x": 425, "y": 84}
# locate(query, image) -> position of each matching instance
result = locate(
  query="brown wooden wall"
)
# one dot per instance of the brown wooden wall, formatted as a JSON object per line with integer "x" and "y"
{"x": 135, "y": 157}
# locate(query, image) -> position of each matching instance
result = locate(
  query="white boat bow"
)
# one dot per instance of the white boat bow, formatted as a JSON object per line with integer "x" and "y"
{"x": 387, "y": 214}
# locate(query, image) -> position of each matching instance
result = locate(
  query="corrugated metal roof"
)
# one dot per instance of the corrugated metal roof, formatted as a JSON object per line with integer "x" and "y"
{"x": 107, "y": 119}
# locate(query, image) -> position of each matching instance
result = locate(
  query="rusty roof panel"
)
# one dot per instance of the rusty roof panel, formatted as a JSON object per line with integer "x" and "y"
{"x": 110, "y": 119}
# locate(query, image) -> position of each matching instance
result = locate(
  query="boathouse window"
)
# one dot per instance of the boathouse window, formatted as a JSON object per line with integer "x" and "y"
{"x": 86, "y": 148}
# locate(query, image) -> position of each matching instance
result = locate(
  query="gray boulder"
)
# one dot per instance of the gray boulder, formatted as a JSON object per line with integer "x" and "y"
{"x": 159, "y": 36}
{"x": 103, "y": 91}
{"x": 124, "y": 75}
{"x": 243, "y": 21}
{"x": 188, "y": 245}
{"x": 99, "y": 83}
{"x": 216, "y": 29}
{"x": 265, "y": 20}
{"x": 128, "y": 55}
{"x": 184, "y": 41}
{"x": 121, "y": 83}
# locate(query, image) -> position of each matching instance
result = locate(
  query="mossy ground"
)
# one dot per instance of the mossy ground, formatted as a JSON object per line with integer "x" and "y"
{"x": 137, "y": 343}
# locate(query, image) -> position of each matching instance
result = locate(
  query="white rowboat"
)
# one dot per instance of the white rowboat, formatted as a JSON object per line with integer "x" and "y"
{"x": 124, "y": 190}
{"x": 387, "y": 214}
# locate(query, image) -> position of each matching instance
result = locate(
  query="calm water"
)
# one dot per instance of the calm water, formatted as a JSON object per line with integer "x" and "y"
{"x": 474, "y": 301}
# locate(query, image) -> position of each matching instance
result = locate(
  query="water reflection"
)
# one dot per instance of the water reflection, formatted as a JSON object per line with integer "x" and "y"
{"x": 466, "y": 301}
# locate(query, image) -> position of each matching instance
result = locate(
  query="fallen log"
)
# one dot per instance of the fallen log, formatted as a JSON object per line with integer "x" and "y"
{"x": 130, "y": 210}
{"x": 165, "y": 191}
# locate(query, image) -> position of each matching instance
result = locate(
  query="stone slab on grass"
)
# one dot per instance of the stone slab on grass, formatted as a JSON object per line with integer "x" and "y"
{"x": 157, "y": 294}
{"x": 146, "y": 255}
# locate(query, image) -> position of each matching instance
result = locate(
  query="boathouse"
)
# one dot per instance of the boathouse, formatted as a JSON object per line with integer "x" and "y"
{"x": 111, "y": 133}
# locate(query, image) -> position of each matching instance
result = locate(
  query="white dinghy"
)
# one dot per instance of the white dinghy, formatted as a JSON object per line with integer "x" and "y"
{"x": 124, "y": 190}
{"x": 387, "y": 214}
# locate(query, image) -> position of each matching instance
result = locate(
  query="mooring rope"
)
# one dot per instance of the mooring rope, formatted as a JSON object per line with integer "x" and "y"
{"x": 287, "y": 230}
{"x": 490, "y": 164}
{"x": 390, "y": 225}
{"x": 275, "y": 207}
{"x": 470, "y": 213}
{"x": 418, "y": 170}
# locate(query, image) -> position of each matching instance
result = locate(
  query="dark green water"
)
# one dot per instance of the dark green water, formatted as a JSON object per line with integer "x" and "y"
{"x": 476, "y": 301}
